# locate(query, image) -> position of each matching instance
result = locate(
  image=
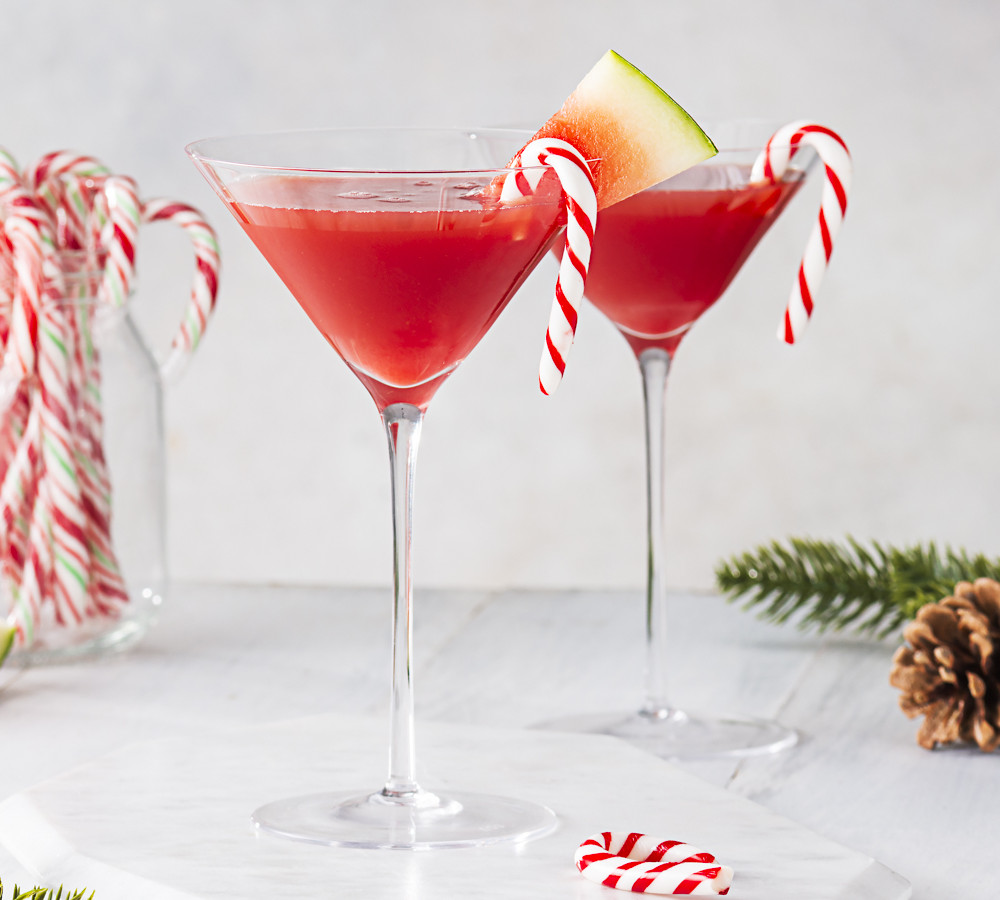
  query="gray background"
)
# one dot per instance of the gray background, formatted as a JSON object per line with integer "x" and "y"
{"x": 883, "y": 423}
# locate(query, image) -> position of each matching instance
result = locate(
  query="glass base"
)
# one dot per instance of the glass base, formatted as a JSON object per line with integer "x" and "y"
{"x": 422, "y": 821}
{"x": 674, "y": 734}
{"x": 75, "y": 644}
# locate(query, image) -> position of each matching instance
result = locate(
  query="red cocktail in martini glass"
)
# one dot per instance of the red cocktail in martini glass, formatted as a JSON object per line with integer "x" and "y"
{"x": 660, "y": 259}
{"x": 397, "y": 249}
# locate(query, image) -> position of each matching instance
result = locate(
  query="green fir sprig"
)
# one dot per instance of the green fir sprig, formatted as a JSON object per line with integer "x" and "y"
{"x": 827, "y": 586}
{"x": 40, "y": 893}
{"x": 7, "y": 635}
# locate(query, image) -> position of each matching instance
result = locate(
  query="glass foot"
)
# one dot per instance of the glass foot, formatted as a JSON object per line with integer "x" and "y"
{"x": 674, "y": 734}
{"x": 422, "y": 821}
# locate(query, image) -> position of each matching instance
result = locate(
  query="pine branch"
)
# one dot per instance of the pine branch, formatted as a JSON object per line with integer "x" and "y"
{"x": 40, "y": 893}
{"x": 7, "y": 635}
{"x": 829, "y": 586}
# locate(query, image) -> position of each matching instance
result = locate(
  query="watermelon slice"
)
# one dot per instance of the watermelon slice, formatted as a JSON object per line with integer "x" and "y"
{"x": 634, "y": 132}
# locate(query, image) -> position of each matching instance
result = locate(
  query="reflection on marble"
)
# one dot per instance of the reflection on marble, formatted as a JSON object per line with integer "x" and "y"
{"x": 170, "y": 819}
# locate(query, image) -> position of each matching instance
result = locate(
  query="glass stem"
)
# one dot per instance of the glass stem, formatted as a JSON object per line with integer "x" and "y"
{"x": 654, "y": 364}
{"x": 402, "y": 425}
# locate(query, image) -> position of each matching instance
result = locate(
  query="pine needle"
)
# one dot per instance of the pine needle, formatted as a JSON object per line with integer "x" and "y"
{"x": 40, "y": 893}
{"x": 827, "y": 586}
{"x": 7, "y": 635}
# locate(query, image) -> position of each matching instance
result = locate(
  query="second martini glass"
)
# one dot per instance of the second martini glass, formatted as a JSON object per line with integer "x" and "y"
{"x": 660, "y": 259}
{"x": 391, "y": 244}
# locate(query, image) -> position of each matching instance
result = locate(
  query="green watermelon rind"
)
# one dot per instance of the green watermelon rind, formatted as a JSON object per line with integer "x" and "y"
{"x": 638, "y": 132}
{"x": 696, "y": 138}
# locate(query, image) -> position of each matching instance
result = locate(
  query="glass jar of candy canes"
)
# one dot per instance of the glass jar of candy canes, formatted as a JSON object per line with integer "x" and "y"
{"x": 83, "y": 488}
{"x": 82, "y": 453}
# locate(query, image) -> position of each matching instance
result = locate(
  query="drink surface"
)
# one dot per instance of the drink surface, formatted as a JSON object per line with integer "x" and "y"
{"x": 402, "y": 275}
{"x": 664, "y": 256}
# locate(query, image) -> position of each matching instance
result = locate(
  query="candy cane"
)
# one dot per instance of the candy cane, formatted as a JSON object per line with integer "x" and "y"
{"x": 577, "y": 183}
{"x": 25, "y": 250}
{"x": 635, "y": 862}
{"x": 36, "y": 581}
{"x": 60, "y": 516}
{"x": 21, "y": 348}
{"x": 28, "y": 230}
{"x": 118, "y": 238}
{"x": 63, "y": 183}
{"x": 770, "y": 167}
{"x": 106, "y": 586}
{"x": 10, "y": 179}
{"x": 60, "y": 398}
{"x": 100, "y": 213}
{"x": 205, "y": 287}
{"x": 18, "y": 492}
{"x": 57, "y": 562}
{"x": 48, "y": 176}
{"x": 18, "y": 502}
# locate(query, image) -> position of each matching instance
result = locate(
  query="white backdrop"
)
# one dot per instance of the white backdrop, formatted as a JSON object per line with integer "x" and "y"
{"x": 883, "y": 423}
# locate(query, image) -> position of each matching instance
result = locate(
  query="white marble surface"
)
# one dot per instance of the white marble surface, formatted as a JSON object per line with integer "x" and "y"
{"x": 229, "y": 657}
{"x": 173, "y": 814}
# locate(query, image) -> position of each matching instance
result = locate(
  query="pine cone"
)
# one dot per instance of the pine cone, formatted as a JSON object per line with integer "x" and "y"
{"x": 949, "y": 674}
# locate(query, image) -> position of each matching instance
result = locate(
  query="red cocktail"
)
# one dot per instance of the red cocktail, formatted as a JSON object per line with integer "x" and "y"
{"x": 395, "y": 246}
{"x": 660, "y": 259}
{"x": 403, "y": 276}
{"x": 663, "y": 257}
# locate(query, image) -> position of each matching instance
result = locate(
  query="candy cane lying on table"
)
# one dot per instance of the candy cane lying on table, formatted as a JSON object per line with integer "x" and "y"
{"x": 770, "y": 167}
{"x": 635, "y": 862}
{"x": 581, "y": 219}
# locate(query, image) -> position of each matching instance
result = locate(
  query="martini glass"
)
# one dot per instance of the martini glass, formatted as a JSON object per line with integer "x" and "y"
{"x": 660, "y": 259}
{"x": 392, "y": 245}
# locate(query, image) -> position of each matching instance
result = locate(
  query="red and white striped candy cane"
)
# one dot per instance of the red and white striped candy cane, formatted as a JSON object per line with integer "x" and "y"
{"x": 58, "y": 518}
{"x": 204, "y": 289}
{"x": 631, "y": 861}
{"x": 63, "y": 183}
{"x": 23, "y": 249}
{"x": 18, "y": 503}
{"x": 28, "y": 231}
{"x": 60, "y": 410}
{"x": 118, "y": 237}
{"x": 771, "y": 166}
{"x": 45, "y": 173}
{"x": 581, "y": 219}
{"x": 47, "y": 177}
{"x": 27, "y": 250}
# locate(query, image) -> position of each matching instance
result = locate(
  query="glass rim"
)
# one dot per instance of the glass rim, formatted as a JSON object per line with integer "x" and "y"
{"x": 199, "y": 151}
{"x": 766, "y": 125}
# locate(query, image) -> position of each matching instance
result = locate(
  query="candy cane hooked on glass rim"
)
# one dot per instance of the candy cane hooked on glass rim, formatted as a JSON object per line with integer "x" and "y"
{"x": 770, "y": 167}
{"x": 643, "y": 864}
{"x": 577, "y": 183}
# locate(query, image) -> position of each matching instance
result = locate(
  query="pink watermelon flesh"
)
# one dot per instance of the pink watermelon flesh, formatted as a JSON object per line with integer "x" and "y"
{"x": 632, "y": 131}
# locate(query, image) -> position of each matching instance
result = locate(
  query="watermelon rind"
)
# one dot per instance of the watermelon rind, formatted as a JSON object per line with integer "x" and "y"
{"x": 636, "y": 134}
